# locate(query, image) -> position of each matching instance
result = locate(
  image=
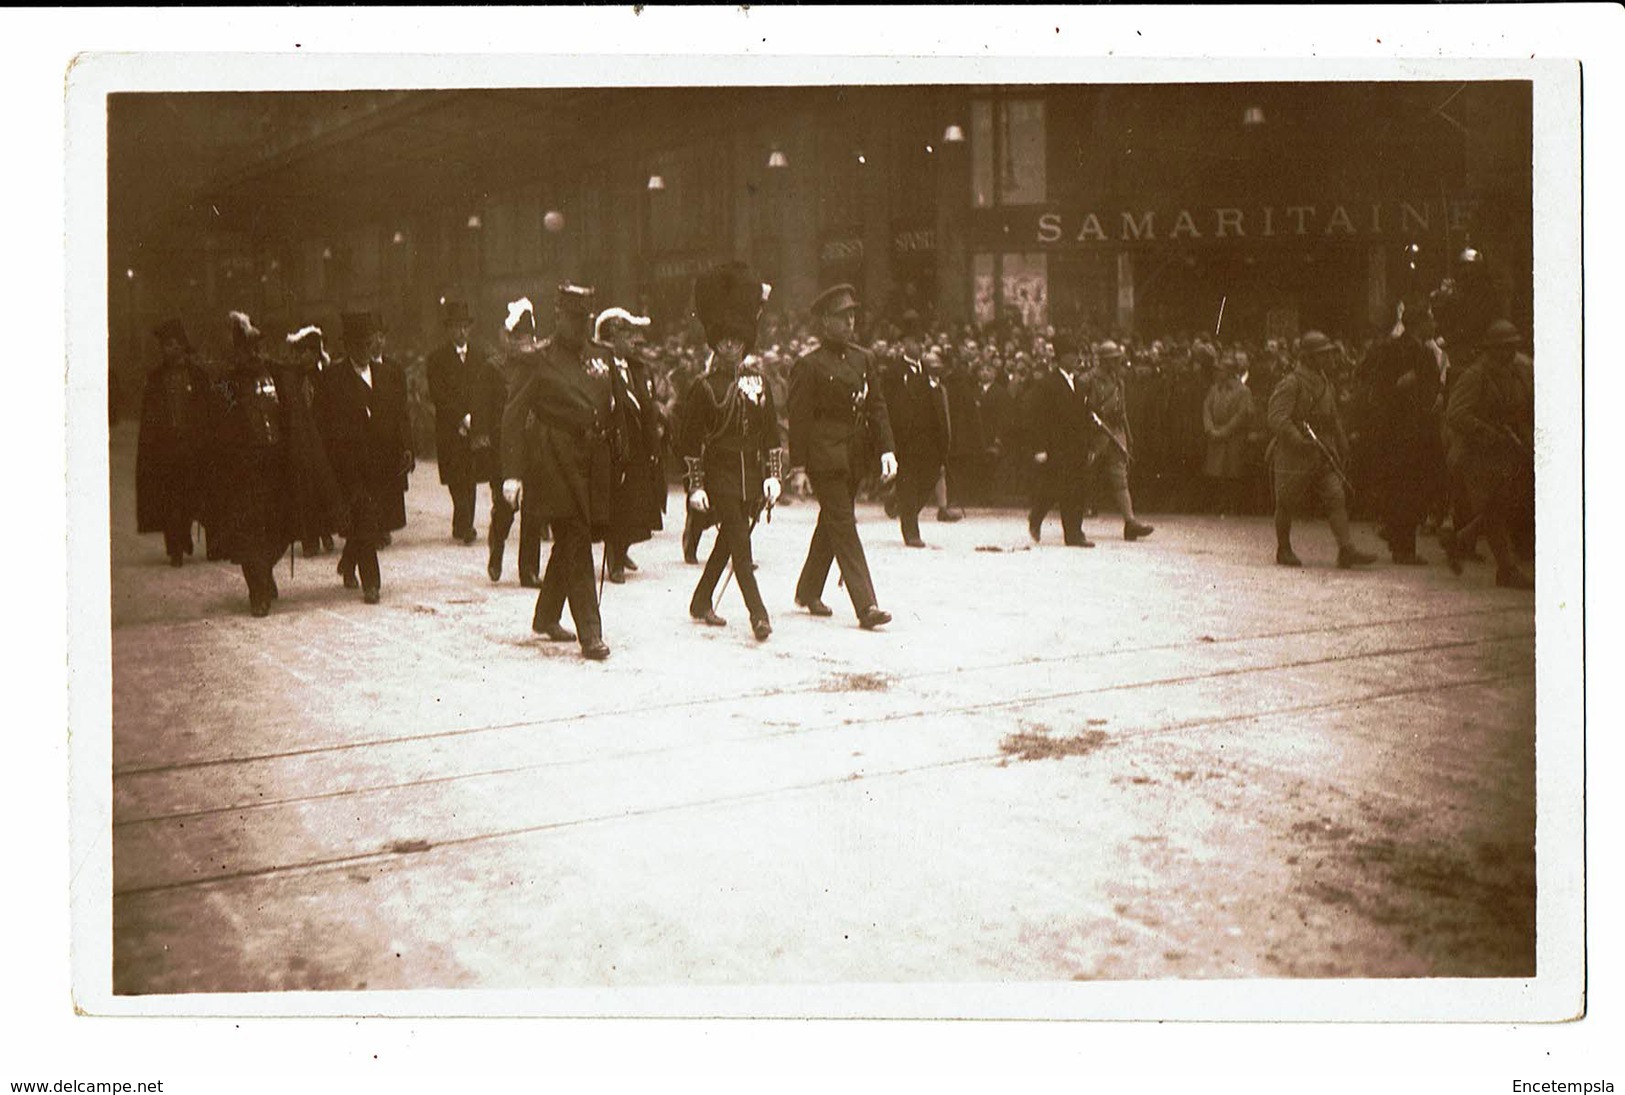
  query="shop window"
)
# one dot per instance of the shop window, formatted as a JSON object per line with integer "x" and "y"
{"x": 1008, "y": 152}
{"x": 1025, "y": 283}
{"x": 982, "y": 285}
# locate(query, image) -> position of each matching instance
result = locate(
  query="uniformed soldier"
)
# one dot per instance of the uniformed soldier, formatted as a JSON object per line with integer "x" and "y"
{"x": 272, "y": 474}
{"x": 362, "y": 412}
{"x": 1310, "y": 451}
{"x": 837, "y": 410}
{"x": 1489, "y": 430}
{"x": 728, "y": 436}
{"x": 558, "y": 438}
{"x": 453, "y": 382}
{"x": 917, "y": 406}
{"x": 1113, "y": 441}
{"x": 638, "y": 497}
{"x": 169, "y": 458}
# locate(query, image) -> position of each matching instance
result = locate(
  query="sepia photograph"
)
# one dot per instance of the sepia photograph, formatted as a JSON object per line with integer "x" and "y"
{"x": 1015, "y": 539}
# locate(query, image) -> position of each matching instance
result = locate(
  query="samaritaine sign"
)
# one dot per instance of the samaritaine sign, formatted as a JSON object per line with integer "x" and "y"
{"x": 1059, "y": 228}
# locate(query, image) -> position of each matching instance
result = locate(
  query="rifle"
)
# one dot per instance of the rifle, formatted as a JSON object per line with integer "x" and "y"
{"x": 1121, "y": 446}
{"x": 1309, "y": 431}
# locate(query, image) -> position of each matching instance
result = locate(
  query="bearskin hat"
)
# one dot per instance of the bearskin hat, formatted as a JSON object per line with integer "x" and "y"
{"x": 728, "y": 300}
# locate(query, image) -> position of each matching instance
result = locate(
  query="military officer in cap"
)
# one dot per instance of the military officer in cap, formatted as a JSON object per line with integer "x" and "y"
{"x": 1309, "y": 452}
{"x": 728, "y": 436}
{"x": 464, "y": 460}
{"x": 1113, "y": 442}
{"x": 1489, "y": 431}
{"x": 837, "y": 410}
{"x": 364, "y": 421}
{"x": 558, "y": 440}
{"x": 917, "y": 406}
{"x": 1060, "y": 435}
{"x": 169, "y": 449}
{"x": 638, "y": 496}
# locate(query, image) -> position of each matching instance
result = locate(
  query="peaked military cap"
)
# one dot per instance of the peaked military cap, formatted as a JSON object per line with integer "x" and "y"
{"x": 837, "y": 298}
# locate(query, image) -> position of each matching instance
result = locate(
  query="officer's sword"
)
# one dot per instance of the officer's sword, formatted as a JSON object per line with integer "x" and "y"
{"x": 1327, "y": 453}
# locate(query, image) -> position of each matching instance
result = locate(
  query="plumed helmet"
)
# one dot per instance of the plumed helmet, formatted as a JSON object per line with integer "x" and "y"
{"x": 521, "y": 317}
{"x": 243, "y": 332}
{"x": 728, "y": 300}
{"x": 306, "y": 339}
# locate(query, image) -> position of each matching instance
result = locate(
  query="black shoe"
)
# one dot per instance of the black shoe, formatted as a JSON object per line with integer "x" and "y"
{"x": 1285, "y": 557}
{"x": 493, "y": 567}
{"x": 1452, "y": 554}
{"x": 258, "y": 606}
{"x": 1080, "y": 540}
{"x": 1135, "y": 530}
{"x": 1515, "y": 578}
{"x": 913, "y": 541}
{"x": 949, "y": 516}
{"x": 627, "y": 564}
{"x": 555, "y": 632}
{"x": 873, "y": 617}
{"x": 595, "y": 650}
{"x": 175, "y": 559}
{"x": 370, "y": 595}
{"x": 530, "y": 581}
{"x": 816, "y": 607}
{"x": 348, "y": 574}
{"x": 761, "y": 629}
{"x": 1350, "y": 557}
{"x": 617, "y": 574}
{"x": 467, "y": 536}
{"x": 1035, "y": 529}
{"x": 708, "y": 617}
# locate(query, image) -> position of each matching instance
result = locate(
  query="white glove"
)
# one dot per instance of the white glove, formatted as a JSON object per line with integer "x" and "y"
{"x": 510, "y": 492}
{"x": 699, "y": 501}
{"x": 771, "y": 488}
{"x": 1040, "y": 457}
{"x": 888, "y": 466}
{"x": 468, "y": 420}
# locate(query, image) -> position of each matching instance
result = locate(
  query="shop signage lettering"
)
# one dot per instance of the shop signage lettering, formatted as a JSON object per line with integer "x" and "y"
{"x": 850, "y": 247}
{"x": 922, "y": 239}
{"x": 665, "y": 269}
{"x": 1333, "y": 220}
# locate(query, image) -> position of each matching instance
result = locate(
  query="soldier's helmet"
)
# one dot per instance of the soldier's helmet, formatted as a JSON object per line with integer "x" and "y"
{"x": 1109, "y": 351}
{"x": 1502, "y": 333}
{"x": 1314, "y": 343}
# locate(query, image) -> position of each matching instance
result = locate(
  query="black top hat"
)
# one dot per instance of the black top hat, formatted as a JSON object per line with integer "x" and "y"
{"x": 575, "y": 299}
{"x": 837, "y": 298}
{"x": 728, "y": 300}
{"x": 1065, "y": 343}
{"x": 455, "y": 311}
{"x": 358, "y": 327}
{"x": 172, "y": 329}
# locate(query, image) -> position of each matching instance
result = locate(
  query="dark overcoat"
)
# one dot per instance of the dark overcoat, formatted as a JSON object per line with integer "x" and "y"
{"x": 369, "y": 444}
{"x": 169, "y": 458}
{"x": 455, "y": 389}
{"x": 559, "y": 437}
{"x": 639, "y": 489}
{"x": 917, "y": 408}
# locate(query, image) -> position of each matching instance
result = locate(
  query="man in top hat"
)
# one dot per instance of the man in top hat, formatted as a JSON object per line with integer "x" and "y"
{"x": 728, "y": 436}
{"x": 1113, "y": 441}
{"x": 364, "y": 421}
{"x": 638, "y": 495}
{"x": 464, "y": 460}
{"x": 1401, "y": 388}
{"x": 559, "y": 446}
{"x": 1309, "y": 452}
{"x": 271, "y": 472}
{"x": 837, "y": 411}
{"x": 917, "y": 407}
{"x": 1489, "y": 433}
{"x": 1059, "y": 435}
{"x": 170, "y": 446}
{"x": 309, "y": 370}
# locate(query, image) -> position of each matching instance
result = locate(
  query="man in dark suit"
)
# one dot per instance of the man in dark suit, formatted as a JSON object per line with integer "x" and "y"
{"x": 364, "y": 423}
{"x": 837, "y": 410}
{"x": 494, "y": 378}
{"x": 453, "y": 383}
{"x": 170, "y": 454}
{"x": 558, "y": 446}
{"x": 917, "y": 406}
{"x": 985, "y": 441}
{"x": 1059, "y": 432}
{"x": 638, "y": 496}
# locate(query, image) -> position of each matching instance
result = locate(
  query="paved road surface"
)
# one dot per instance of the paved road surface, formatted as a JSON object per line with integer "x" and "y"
{"x": 1168, "y": 759}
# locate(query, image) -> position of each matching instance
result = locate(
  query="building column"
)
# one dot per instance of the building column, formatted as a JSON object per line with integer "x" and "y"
{"x": 1124, "y": 314}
